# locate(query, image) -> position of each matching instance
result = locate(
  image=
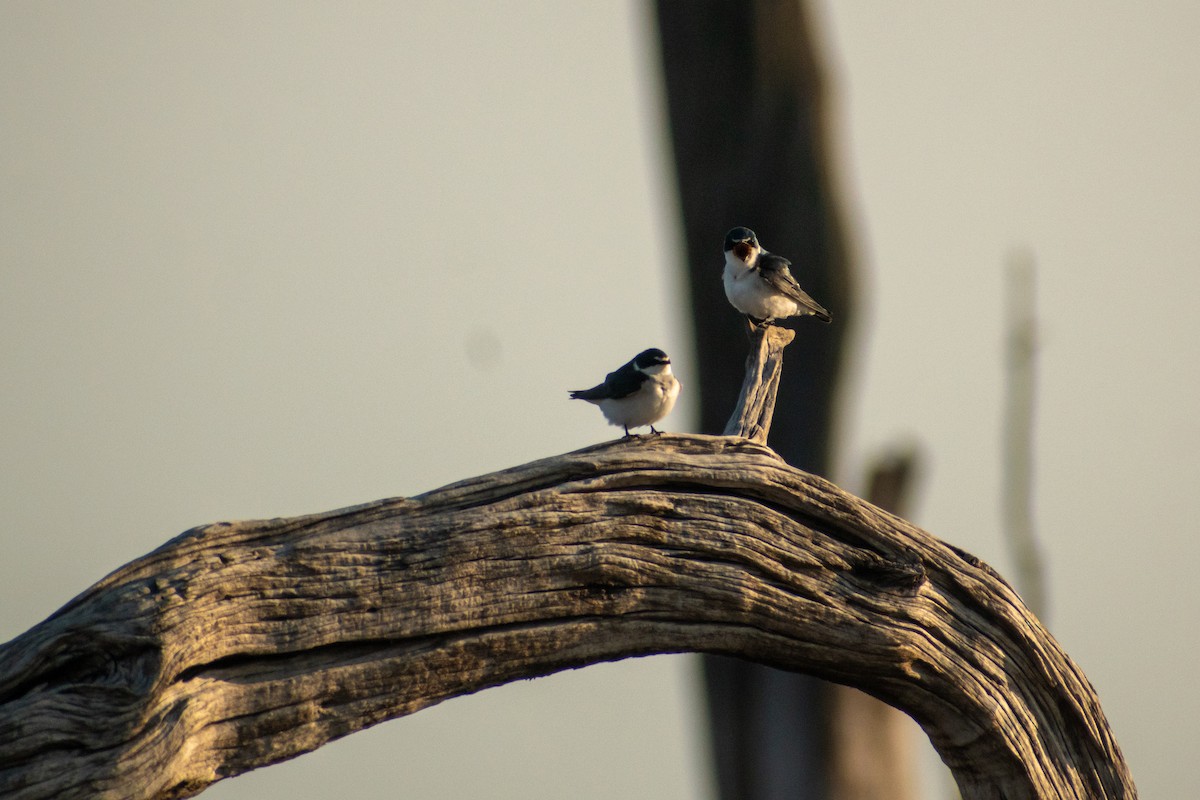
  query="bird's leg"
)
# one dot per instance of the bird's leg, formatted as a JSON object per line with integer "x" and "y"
{"x": 627, "y": 433}
{"x": 654, "y": 431}
{"x": 756, "y": 325}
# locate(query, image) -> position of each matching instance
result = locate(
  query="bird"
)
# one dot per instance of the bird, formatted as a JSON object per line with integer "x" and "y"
{"x": 636, "y": 394}
{"x": 760, "y": 284}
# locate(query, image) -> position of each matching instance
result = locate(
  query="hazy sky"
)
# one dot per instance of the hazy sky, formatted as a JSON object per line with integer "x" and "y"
{"x": 272, "y": 258}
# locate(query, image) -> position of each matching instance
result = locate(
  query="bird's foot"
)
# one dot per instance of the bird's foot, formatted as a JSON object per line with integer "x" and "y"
{"x": 655, "y": 431}
{"x": 755, "y": 325}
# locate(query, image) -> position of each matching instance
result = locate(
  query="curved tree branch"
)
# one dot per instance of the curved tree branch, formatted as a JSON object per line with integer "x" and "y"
{"x": 238, "y": 645}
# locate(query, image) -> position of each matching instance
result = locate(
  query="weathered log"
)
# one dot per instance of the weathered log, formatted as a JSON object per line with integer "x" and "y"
{"x": 237, "y": 645}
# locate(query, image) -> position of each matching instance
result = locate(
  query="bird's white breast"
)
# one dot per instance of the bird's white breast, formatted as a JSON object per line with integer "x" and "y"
{"x": 650, "y": 403}
{"x": 750, "y": 294}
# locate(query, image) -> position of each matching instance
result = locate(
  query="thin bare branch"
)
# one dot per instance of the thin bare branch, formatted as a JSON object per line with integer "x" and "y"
{"x": 1018, "y": 470}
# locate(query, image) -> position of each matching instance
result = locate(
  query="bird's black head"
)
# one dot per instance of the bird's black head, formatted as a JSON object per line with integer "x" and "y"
{"x": 739, "y": 235}
{"x": 649, "y": 358}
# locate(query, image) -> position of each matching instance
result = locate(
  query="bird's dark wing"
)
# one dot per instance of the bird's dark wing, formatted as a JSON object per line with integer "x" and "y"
{"x": 776, "y": 270}
{"x": 617, "y": 384}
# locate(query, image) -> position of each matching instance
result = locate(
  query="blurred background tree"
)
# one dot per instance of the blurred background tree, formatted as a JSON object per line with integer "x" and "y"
{"x": 745, "y": 97}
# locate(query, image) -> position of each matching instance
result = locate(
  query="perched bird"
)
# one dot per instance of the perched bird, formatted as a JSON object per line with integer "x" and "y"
{"x": 639, "y": 393}
{"x": 760, "y": 284}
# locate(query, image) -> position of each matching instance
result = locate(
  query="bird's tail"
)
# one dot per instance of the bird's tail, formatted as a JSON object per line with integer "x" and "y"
{"x": 814, "y": 308}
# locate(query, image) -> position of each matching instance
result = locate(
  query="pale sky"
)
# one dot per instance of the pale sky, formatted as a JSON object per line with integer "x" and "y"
{"x": 272, "y": 258}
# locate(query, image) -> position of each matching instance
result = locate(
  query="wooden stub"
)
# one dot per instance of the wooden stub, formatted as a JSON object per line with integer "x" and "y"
{"x": 756, "y": 404}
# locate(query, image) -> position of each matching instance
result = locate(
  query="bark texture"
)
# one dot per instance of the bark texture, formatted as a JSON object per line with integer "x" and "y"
{"x": 237, "y": 645}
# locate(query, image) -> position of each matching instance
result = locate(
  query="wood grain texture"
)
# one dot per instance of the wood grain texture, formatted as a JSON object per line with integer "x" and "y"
{"x": 237, "y": 645}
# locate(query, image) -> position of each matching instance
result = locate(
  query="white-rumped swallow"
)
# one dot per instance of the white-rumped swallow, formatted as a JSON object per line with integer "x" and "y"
{"x": 760, "y": 284}
{"x": 639, "y": 393}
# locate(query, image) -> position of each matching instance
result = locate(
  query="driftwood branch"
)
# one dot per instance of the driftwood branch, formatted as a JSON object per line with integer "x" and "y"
{"x": 238, "y": 645}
